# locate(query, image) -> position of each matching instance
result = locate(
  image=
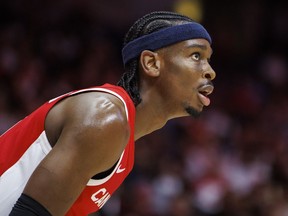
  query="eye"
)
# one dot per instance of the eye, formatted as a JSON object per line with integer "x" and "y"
{"x": 196, "y": 56}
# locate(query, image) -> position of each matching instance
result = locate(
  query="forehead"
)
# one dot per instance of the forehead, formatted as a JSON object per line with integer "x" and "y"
{"x": 191, "y": 44}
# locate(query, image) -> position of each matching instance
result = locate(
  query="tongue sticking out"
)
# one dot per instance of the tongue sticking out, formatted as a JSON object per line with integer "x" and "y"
{"x": 205, "y": 100}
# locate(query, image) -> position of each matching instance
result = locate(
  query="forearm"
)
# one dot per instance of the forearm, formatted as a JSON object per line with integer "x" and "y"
{"x": 26, "y": 206}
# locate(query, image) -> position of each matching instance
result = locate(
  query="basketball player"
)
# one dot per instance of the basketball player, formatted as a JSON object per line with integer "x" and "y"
{"x": 72, "y": 153}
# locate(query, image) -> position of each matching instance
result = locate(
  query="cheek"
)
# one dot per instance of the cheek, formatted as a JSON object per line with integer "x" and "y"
{"x": 189, "y": 76}
{"x": 181, "y": 72}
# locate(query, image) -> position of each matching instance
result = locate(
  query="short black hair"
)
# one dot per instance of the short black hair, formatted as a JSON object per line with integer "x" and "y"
{"x": 149, "y": 23}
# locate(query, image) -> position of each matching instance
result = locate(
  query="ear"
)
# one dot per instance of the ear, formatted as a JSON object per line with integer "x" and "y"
{"x": 150, "y": 62}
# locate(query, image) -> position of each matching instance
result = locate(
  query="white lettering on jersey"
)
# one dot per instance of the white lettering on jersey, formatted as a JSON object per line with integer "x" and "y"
{"x": 100, "y": 197}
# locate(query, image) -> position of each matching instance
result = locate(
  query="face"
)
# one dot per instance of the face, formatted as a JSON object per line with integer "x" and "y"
{"x": 188, "y": 75}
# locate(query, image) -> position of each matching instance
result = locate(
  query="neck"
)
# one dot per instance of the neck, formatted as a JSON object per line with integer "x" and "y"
{"x": 155, "y": 109}
{"x": 147, "y": 120}
{"x": 151, "y": 114}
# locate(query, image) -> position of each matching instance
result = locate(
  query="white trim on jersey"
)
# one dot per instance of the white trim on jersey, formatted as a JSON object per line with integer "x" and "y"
{"x": 96, "y": 89}
{"x": 95, "y": 182}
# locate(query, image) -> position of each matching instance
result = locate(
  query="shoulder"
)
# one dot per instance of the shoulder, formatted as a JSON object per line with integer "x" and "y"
{"x": 93, "y": 123}
{"x": 95, "y": 106}
{"x": 89, "y": 109}
{"x": 102, "y": 113}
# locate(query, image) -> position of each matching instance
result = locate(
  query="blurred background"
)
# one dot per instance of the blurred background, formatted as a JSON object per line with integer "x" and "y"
{"x": 232, "y": 161}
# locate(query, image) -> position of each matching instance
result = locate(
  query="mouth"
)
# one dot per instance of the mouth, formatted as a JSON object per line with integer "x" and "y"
{"x": 203, "y": 93}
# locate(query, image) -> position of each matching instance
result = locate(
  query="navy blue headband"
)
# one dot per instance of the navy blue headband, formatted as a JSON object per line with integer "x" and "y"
{"x": 163, "y": 38}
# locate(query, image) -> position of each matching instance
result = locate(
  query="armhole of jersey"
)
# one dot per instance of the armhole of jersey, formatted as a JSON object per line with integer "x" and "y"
{"x": 107, "y": 91}
{"x": 95, "y": 182}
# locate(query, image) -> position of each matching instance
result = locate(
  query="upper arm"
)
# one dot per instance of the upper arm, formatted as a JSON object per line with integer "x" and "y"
{"x": 93, "y": 136}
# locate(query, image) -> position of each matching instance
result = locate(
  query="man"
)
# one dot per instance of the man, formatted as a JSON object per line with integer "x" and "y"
{"x": 72, "y": 153}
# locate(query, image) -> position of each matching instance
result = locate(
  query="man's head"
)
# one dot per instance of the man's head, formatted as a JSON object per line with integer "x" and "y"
{"x": 156, "y": 32}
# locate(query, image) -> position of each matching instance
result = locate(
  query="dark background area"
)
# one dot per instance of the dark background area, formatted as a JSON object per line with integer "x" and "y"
{"x": 233, "y": 160}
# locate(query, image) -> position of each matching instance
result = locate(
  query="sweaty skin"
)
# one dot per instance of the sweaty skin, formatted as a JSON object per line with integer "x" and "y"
{"x": 89, "y": 131}
{"x": 80, "y": 129}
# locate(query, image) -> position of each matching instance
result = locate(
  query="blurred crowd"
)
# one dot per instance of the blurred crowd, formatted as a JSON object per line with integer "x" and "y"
{"x": 231, "y": 161}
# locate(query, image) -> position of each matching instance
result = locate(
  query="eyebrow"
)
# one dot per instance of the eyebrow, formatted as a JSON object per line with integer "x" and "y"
{"x": 203, "y": 47}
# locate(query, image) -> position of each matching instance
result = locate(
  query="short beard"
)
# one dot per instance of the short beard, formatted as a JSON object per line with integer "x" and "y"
{"x": 192, "y": 112}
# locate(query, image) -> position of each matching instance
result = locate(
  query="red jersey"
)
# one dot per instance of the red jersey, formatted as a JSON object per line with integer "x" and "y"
{"x": 25, "y": 145}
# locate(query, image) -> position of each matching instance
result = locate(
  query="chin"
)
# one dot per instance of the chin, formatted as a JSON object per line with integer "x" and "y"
{"x": 193, "y": 112}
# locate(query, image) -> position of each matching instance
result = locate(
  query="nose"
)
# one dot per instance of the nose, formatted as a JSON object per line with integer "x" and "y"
{"x": 209, "y": 74}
